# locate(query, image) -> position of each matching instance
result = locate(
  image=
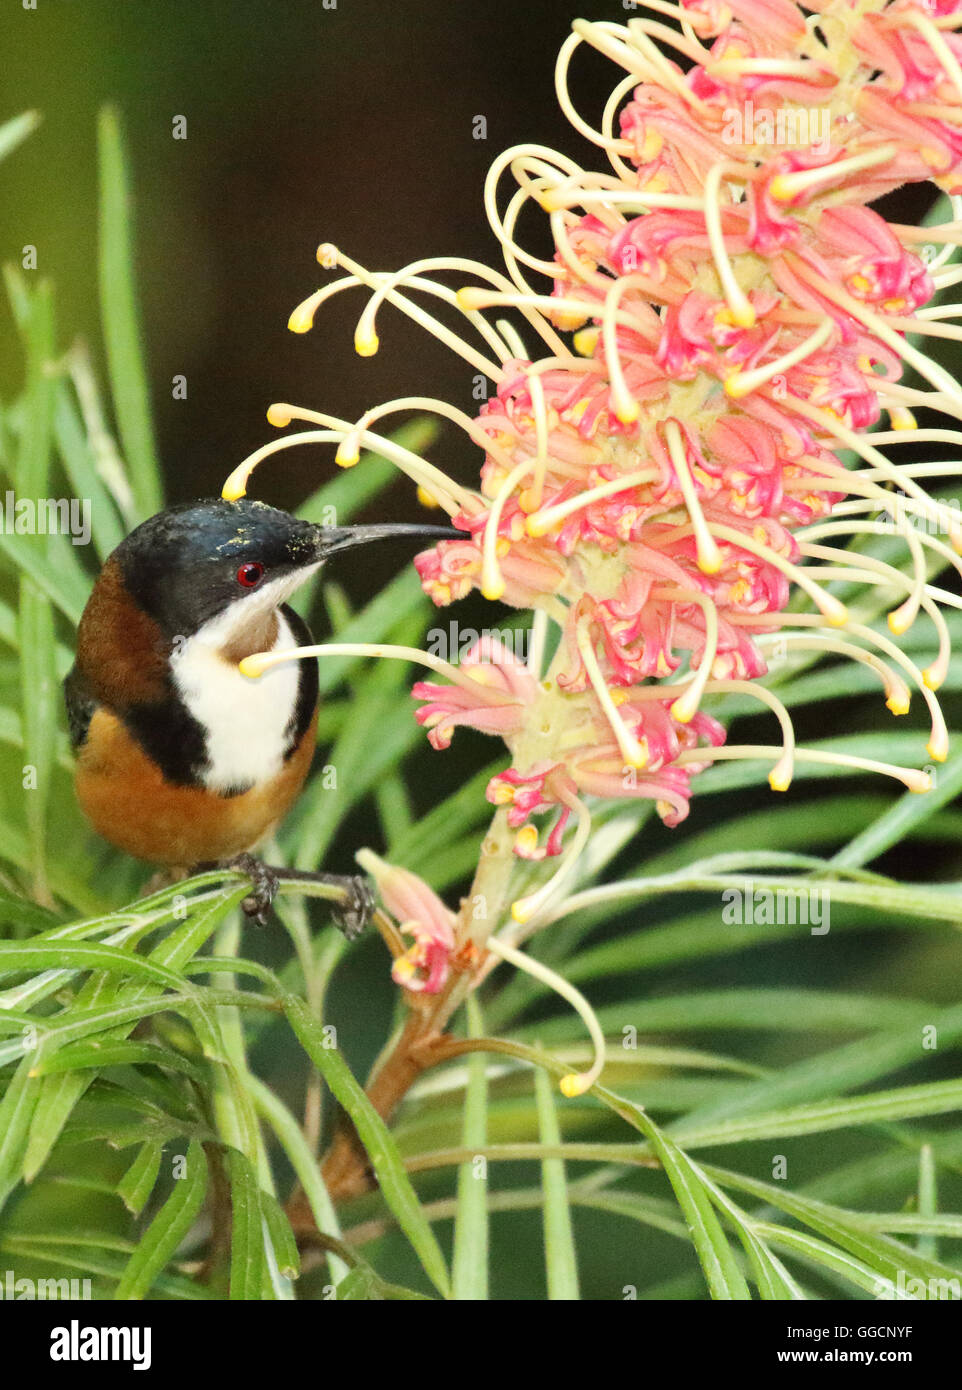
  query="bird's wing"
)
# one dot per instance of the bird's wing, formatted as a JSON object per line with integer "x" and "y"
{"x": 81, "y": 705}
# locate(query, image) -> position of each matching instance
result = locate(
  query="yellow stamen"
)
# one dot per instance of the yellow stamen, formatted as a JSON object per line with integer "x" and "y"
{"x": 328, "y": 255}
{"x": 740, "y": 383}
{"x": 541, "y": 522}
{"x": 740, "y": 307}
{"x": 686, "y": 706}
{"x": 832, "y": 609}
{"x": 492, "y": 580}
{"x": 910, "y": 777}
{"x": 576, "y": 1083}
{"x": 780, "y": 777}
{"x": 524, "y": 909}
{"x": 634, "y": 754}
{"x": 784, "y": 188}
{"x": 710, "y": 559}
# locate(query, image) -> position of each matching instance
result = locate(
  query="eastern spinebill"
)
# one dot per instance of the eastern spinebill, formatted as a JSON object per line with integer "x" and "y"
{"x": 180, "y": 759}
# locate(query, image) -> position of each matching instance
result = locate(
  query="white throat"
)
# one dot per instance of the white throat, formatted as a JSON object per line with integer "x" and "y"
{"x": 248, "y": 724}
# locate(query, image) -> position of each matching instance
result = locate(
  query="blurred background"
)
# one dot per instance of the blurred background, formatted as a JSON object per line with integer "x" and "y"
{"x": 304, "y": 123}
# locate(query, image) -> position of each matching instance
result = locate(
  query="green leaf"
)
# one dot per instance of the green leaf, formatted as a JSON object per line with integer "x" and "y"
{"x": 282, "y": 1238}
{"x": 722, "y": 1275}
{"x": 469, "y": 1265}
{"x": 887, "y": 1257}
{"x": 381, "y": 1149}
{"x": 831, "y": 1073}
{"x": 362, "y": 1284}
{"x": 138, "y": 1182}
{"x": 102, "y": 1053}
{"x": 843, "y": 1112}
{"x": 561, "y": 1261}
{"x": 247, "y": 1264}
{"x": 120, "y": 318}
{"x": 820, "y": 1255}
{"x": 928, "y": 1198}
{"x": 159, "y": 1243}
{"x": 908, "y": 813}
{"x": 16, "y": 1112}
{"x": 41, "y": 702}
{"x": 304, "y": 1163}
{"x": 771, "y": 1277}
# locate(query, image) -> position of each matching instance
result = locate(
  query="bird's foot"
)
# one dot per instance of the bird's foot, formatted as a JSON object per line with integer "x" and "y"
{"x": 354, "y": 912}
{"x": 264, "y": 884}
{"x": 351, "y": 911}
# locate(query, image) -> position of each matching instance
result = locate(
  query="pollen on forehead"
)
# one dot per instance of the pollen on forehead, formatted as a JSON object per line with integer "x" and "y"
{"x": 242, "y": 537}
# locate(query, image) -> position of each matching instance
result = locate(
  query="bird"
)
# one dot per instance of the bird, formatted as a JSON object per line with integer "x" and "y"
{"x": 181, "y": 760}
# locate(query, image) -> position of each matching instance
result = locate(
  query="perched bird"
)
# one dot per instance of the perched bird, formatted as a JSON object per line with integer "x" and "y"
{"x": 180, "y": 759}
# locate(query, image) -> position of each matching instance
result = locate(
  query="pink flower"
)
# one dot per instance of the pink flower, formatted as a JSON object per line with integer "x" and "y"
{"x": 420, "y": 914}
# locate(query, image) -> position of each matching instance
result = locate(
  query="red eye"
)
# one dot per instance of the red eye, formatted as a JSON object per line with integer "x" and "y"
{"x": 250, "y": 575}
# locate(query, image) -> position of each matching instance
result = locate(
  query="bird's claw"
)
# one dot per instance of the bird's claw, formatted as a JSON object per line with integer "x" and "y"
{"x": 264, "y": 885}
{"x": 351, "y": 912}
{"x": 355, "y": 910}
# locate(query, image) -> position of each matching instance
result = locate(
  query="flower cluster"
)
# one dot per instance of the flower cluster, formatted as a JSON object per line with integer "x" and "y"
{"x": 740, "y": 317}
{"x": 724, "y": 321}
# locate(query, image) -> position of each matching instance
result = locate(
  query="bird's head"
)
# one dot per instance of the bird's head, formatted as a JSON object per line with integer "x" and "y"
{"x": 230, "y": 565}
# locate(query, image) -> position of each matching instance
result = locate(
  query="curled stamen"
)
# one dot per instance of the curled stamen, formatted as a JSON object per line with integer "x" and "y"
{"x": 523, "y": 909}
{"x": 492, "y": 580}
{"x": 530, "y": 500}
{"x": 328, "y": 254}
{"x": 349, "y": 450}
{"x": 626, "y": 407}
{"x": 709, "y": 556}
{"x": 901, "y": 618}
{"x": 476, "y": 297}
{"x": 449, "y": 493}
{"x": 629, "y": 198}
{"x": 503, "y": 229}
{"x": 911, "y": 778}
{"x": 882, "y": 466}
{"x": 785, "y": 188}
{"x": 831, "y": 608}
{"x": 257, "y": 663}
{"x": 541, "y": 522}
{"x": 633, "y": 752}
{"x": 898, "y": 697}
{"x": 938, "y": 745}
{"x": 366, "y": 331}
{"x": 235, "y": 485}
{"x": 686, "y": 706}
{"x": 780, "y": 777}
{"x": 739, "y": 306}
{"x": 576, "y": 1083}
{"x": 739, "y": 383}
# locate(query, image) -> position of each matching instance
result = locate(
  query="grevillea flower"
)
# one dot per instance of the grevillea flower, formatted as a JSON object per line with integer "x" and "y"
{"x": 661, "y": 483}
{"x": 421, "y": 915}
